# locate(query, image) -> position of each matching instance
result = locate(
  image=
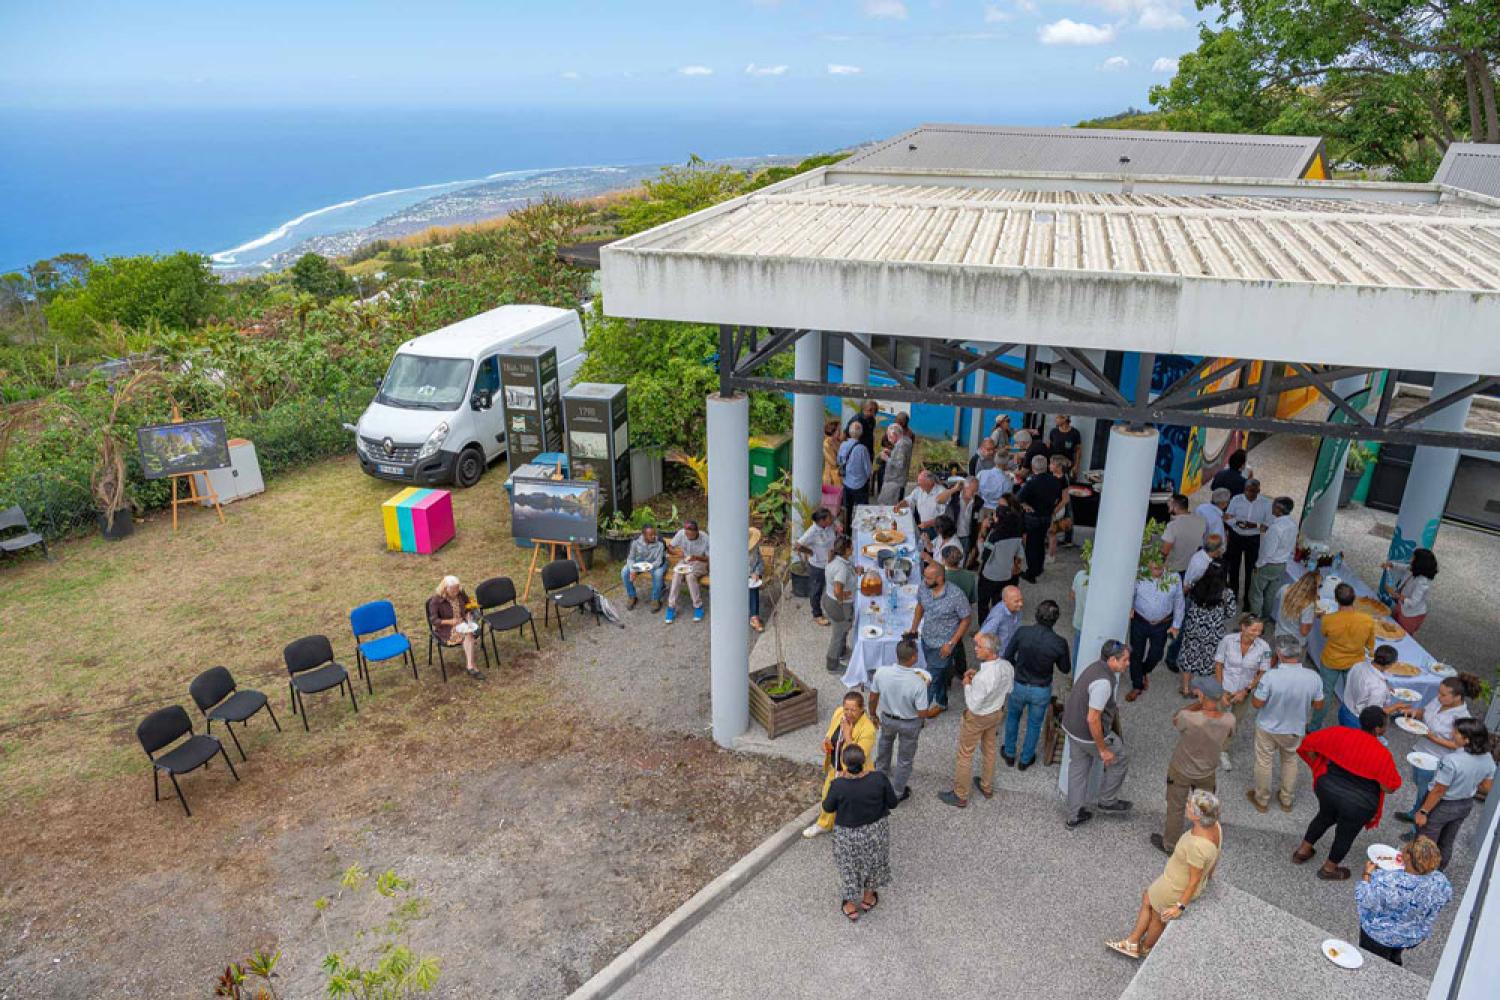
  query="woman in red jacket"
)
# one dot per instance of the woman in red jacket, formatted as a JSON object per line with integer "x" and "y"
{"x": 1352, "y": 771}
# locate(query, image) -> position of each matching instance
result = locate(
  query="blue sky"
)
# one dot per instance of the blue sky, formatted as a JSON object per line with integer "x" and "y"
{"x": 1060, "y": 58}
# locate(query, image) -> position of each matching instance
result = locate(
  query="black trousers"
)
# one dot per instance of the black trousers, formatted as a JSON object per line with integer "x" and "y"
{"x": 817, "y": 579}
{"x": 986, "y": 594}
{"x": 852, "y": 499}
{"x": 1148, "y": 641}
{"x": 1385, "y": 951}
{"x": 1347, "y": 814}
{"x": 1240, "y": 551}
{"x": 1036, "y": 544}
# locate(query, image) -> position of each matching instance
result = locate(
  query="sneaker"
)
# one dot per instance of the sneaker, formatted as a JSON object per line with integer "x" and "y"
{"x": 1159, "y": 842}
{"x": 671, "y": 615}
{"x": 1117, "y": 806}
{"x": 813, "y": 831}
{"x": 1225, "y": 763}
{"x": 1083, "y": 817}
{"x": 1260, "y": 807}
{"x": 697, "y": 614}
{"x": 1010, "y": 761}
{"x": 1023, "y": 765}
{"x": 630, "y": 604}
{"x": 953, "y": 800}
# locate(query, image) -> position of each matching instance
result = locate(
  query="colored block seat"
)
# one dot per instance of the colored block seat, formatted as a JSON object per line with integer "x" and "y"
{"x": 418, "y": 520}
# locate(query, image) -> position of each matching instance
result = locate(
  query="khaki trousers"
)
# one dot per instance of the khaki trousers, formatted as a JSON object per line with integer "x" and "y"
{"x": 1269, "y": 746}
{"x": 1178, "y": 788}
{"x": 976, "y": 730}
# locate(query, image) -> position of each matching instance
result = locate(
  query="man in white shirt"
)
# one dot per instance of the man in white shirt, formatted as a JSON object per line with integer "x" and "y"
{"x": 1212, "y": 552}
{"x": 985, "y": 691}
{"x": 1366, "y": 685}
{"x": 815, "y": 544}
{"x": 1155, "y": 618}
{"x": 994, "y": 483}
{"x": 691, "y": 545}
{"x": 1283, "y": 698}
{"x": 1276, "y": 547}
{"x": 1212, "y": 512}
{"x": 1246, "y": 516}
{"x": 928, "y": 500}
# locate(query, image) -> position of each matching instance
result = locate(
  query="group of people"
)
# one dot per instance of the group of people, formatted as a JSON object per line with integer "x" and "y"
{"x": 688, "y": 552}
{"x": 1186, "y": 612}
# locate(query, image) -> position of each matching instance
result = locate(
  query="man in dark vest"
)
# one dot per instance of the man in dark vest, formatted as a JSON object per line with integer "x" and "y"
{"x": 1091, "y": 718}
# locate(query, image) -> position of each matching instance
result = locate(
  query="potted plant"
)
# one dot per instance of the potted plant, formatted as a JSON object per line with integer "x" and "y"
{"x": 944, "y": 458}
{"x": 779, "y": 700}
{"x": 619, "y": 531}
{"x": 1358, "y": 459}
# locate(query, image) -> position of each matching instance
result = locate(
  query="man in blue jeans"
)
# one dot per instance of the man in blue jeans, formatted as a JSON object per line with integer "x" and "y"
{"x": 1035, "y": 651}
{"x": 941, "y": 621}
{"x": 645, "y": 550}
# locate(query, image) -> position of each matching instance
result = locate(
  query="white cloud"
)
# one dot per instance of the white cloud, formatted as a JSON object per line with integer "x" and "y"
{"x": 993, "y": 14}
{"x": 1114, "y": 64}
{"x": 1164, "y": 64}
{"x": 1070, "y": 32}
{"x": 1149, "y": 15}
{"x": 1026, "y": 6}
{"x": 696, "y": 71}
{"x": 754, "y": 70}
{"x": 885, "y": 10}
{"x": 838, "y": 69}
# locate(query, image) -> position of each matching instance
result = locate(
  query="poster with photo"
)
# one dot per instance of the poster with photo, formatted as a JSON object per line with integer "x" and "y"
{"x": 555, "y": 510}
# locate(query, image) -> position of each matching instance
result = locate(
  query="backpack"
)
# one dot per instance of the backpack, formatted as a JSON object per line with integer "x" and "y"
{"x": 601, "y": 605}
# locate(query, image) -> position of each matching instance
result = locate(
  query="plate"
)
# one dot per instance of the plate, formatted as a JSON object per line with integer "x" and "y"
{"x": 755, "y": 584}
{"x": 1422, "y": 761}
{"x": 1327, "y": 605}
{"x": 1342, "y": 953}
{"x": 871, "y": 632}
{"x": 890, "y": 537}
{"x": 1403, "y": 669}
{"x": 1080, "y": 491}
{"x": 1407, "y": 695}
{"x": 1414, "y": 726}
{"x": 464, "y": 628}
{"x": 682, "y": 568}
{"x": 1389, "y": 630}
{"x": 1443, "y": 670}
{"x": 641, "y": 567}
{"x": 1385, "y": 856}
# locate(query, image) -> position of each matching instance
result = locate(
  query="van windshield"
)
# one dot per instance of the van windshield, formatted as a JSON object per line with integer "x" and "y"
{"x": 418, "y": 383}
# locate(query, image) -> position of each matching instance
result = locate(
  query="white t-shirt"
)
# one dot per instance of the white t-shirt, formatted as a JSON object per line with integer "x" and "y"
{"x": 1285, "y": 626}
{"x": 839, "y": 571}
{"x": 925, "y": 503}
{"x": 1365, "y": 686}
{"x": 820, "y": 542}
{"x": 1196, "y": 567}
{"x": 690, "y": 546}
{"x": 1441, "y": 721}
{"x": 1101, "y": 690}
{"x": 1080, "y": 597}
{"x": 1240, "y": 668}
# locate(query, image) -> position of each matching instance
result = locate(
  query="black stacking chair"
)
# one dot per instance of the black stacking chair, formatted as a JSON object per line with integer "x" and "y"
{"x": 162, "y": 728}
{"x": 219, "y": 699}
{"x": 560, "y": 581}
{"x": 499, "y": 593}
{"x": 11, "y": 519}
{"x": 454, "y": 643}
{"x": 311, "y": 668}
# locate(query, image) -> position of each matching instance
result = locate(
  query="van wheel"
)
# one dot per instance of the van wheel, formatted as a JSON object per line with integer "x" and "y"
{"x": 469, "y": 468}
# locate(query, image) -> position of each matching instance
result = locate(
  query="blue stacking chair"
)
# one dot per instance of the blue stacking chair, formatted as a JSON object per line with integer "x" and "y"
{"x": 368, "y": 619}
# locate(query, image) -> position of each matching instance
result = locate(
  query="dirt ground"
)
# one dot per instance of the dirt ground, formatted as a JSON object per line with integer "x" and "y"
{"x": 543, "y": 836}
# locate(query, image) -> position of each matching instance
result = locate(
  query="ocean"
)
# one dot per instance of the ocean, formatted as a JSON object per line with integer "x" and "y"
{"x": 249, "y": 187}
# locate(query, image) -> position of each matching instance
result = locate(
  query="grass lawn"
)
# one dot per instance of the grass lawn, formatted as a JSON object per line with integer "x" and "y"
{"x": 111, "y": 630}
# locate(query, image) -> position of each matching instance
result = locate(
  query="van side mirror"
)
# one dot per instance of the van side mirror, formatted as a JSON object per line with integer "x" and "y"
{"x": 483, "y": 399}
{"x": 378, "y": 383}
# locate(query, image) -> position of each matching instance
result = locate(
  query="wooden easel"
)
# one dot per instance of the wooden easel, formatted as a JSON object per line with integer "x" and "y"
{"x": 193, "y": 496}
{"x": 569, "y": 551}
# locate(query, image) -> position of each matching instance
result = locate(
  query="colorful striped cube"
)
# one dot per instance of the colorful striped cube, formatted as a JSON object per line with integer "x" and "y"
{"x": 418, "y": 520}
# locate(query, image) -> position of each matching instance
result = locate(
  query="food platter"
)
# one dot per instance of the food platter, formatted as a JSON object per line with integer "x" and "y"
{"x": 1342, "y": 953}
{"x": 875, "y": 549}
{"x": 1413, "y": 726}
{"x": 1080, "y": 492}
{"x": 1372, "y": 606}
{"x": 1389, "y": 630}
{"x": 889, "y": 536}
{"x": 1385, "y": 856}
{"x": 1404, "y": 669}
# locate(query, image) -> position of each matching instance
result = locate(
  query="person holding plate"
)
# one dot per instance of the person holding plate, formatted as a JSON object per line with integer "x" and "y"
{"x": 1462, "y": 777}
{"x": 447, "y": 613}
{"x": 1398, "y": 907}
{"x": 648, "y": 554}
{"x": 1440, "y": 716}
{"x": 1367, "y": 685}
{"x": 1409, "y": 582}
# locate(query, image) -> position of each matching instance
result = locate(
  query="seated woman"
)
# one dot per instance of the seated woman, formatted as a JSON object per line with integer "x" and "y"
{"x": 1397, "y": 908}
{"x": 446, "y": 610}
{"x": 1187, "y": 872}
{"x": 1352, "y": 771}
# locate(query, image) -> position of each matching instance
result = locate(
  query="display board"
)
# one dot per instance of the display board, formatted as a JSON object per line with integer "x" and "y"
{"x": 598, "y": 440}
{"x": 533, "y": 403}
{"x": 556, "y": 510}
{"x": 180, "y": 448}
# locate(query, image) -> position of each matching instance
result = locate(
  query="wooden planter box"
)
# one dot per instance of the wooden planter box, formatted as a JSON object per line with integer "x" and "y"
{"x": 783, "y": 716}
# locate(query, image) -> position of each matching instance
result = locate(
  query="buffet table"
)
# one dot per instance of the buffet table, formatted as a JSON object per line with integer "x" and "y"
{"x": 893, "y": 609}
{"x": 1408, "y": 649}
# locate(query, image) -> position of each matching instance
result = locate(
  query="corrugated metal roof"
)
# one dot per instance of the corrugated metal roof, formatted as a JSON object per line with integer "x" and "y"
{"x": 1078, "y": 150}
{"x": 1450, "y": 246}
{"x": 1471, "y": 166}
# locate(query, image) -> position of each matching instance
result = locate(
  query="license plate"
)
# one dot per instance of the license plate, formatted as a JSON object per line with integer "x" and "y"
{"x": 391, "y": 470}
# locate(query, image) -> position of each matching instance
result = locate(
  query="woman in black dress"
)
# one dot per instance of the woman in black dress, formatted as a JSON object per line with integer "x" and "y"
{"x": 861, "y": 802}
{"x": 1210, "y": 608}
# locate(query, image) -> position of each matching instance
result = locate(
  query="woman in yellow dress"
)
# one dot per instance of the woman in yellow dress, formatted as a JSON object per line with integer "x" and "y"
{"x": 1187, "y": 872}
{"x": 850, "y": 726}
{"x": 831, "y": 441}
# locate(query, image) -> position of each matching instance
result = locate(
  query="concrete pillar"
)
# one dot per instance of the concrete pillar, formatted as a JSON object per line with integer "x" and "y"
{"x": 1125, "y": 494}
{"x": 856, "y": 372}
{"x": 1317, "y": 520}
{"x": 807, "y": 427}
{"x": 1431, "y": 476}
{"x": 729, "y": 564}
{"x": 977, "y": 429}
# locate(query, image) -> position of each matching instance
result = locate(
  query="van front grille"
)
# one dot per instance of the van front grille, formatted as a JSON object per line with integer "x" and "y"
{"x": 404, "y": 454}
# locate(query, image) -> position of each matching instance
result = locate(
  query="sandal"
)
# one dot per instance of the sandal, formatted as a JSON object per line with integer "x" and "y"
{"x": 867, "y": 907}
{"x": 474, "y": 674}
{"x": 1298, "y": 858}
{"x": 853, "y": 914}
{"x": 757, "y": 624}
{"x": 1125, "y": 947}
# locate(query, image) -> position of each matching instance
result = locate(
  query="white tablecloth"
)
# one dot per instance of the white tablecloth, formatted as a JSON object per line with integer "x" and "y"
{"x": 1408, "y": 649}
{"x": 895, "y": 608}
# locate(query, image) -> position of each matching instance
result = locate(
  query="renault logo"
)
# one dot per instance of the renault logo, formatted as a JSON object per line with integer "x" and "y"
{"x": 389, "y": 446}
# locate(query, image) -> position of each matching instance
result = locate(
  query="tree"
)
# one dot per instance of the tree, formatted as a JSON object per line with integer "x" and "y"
{"x": 179, "y": 290}
{"x": 679, "y": 191}
{"x": 321, "y": 278}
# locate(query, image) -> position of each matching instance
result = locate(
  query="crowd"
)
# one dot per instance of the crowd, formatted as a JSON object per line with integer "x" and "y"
{"x": 1216, "y": 605}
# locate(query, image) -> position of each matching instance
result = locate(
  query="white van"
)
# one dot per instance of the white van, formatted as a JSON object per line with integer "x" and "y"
{"x": 437, "y": 417}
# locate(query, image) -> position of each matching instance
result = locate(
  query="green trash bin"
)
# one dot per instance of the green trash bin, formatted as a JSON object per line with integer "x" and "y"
{"x": 769, "y": 458}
